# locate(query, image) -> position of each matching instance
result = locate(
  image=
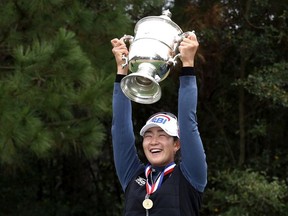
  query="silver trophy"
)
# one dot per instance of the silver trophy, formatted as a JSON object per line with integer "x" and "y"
{"x": 152, "y": 52}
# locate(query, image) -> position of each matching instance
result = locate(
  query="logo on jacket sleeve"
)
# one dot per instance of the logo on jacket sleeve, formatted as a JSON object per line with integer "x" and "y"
{"x": 140, "y": 181}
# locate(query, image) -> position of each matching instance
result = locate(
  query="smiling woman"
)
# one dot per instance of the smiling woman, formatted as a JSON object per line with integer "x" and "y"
{"x": 160, "y": 187}
{"x": 159, "y": 147}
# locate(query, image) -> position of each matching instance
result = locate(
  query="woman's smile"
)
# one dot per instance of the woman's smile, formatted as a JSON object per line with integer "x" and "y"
{"x": 159, "y": 147}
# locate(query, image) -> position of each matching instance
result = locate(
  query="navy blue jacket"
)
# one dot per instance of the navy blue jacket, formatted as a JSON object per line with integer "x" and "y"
{"x": 192, "y": 166}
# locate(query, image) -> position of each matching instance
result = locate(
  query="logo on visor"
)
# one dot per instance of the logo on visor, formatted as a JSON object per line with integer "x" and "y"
{"x": 160, "y": 119}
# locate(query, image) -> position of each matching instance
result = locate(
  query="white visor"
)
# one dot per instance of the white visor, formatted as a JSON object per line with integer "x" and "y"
{"x": 166, "y": 122}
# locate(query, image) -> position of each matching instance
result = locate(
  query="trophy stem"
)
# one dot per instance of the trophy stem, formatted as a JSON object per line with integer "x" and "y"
{"x": 141, "y": 86}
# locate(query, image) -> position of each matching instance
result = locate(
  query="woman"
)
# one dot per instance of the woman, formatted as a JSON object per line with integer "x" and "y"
{"x": 160, "y": 187}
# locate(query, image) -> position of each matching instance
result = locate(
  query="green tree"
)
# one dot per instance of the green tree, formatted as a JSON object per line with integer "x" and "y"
{"x": 242, "y": 73}
{"x": 246, "y": 192}
{"x": 56, "y": 79}
{"x": 53, "y": 105}
{"x": 242, "y": 46}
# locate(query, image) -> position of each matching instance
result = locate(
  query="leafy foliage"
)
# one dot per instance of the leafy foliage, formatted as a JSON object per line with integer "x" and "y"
{"x": 269, "y": 83}
{"x": 246, "y": 192}
{"x": 56, "y": 80}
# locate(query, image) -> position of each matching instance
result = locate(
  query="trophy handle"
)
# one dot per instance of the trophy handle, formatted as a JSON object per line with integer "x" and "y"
{"x": 125, "y": 59}
{"x": 188, "y": 33}
{"x": 177, "y": 42}
{"x": 173, "y": 60}
{"x": 126, "y": 39}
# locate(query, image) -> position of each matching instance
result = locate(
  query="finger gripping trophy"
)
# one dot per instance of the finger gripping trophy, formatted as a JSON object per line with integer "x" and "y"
{"x": 152, "y": 51}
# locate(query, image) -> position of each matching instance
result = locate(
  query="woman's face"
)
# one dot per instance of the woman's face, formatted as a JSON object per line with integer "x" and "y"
{"x": 159, "y": 147}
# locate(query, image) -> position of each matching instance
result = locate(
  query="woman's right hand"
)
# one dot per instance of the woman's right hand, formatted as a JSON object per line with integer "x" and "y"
{"x": 119, "y": 49}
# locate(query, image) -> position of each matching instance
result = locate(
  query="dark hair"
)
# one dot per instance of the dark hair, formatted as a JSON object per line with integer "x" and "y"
{"x": 177, "y": 157}
{"x": 175, "y": 138}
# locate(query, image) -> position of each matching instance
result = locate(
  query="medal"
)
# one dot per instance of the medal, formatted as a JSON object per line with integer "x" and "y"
{"x": 155, "y": 185}
{"x": 147, "y": 203}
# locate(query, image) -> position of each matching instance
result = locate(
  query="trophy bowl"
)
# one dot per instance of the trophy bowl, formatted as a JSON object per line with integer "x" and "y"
{"x": 152, "y": 51}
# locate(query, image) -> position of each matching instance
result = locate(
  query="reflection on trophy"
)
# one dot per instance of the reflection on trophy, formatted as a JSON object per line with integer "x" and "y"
{"x": 152, "y": 51}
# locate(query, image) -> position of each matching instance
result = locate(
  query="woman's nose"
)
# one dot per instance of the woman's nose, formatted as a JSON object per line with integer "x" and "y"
{"x": 154, "y": 140}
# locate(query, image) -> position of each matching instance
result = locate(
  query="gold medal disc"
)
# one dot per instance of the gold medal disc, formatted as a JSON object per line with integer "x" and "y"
{"x": 147, "y": 203}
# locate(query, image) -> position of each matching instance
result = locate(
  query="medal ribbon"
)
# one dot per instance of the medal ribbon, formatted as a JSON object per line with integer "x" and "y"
{"x": 152, "y": 188}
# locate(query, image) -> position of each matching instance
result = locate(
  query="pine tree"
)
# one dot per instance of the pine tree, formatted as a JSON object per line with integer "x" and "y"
{"x": 55, "y": 102}
{"x": 56, "y": 80}
{"x": 48, "y": 85}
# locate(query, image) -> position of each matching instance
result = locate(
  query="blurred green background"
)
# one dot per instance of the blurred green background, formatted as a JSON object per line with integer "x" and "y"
{"x": 56, "y": 78}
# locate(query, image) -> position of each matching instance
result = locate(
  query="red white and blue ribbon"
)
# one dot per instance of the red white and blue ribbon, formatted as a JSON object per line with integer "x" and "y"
{"x": 152, "y": 188}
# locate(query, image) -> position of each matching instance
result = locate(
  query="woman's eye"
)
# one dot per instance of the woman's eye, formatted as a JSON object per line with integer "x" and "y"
{"x": 147, "y": 135}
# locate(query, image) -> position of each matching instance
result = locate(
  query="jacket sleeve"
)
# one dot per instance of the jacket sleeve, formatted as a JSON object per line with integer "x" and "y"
{"x": 126, "y": 160}
{"x": 193, "y": 159}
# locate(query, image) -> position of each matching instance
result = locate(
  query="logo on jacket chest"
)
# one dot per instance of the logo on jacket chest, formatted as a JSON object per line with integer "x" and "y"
{"x": 140, "y": 181}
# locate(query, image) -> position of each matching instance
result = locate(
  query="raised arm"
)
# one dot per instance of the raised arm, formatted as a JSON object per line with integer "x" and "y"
{"x": 124, "y": 150}
{"x": 193, "y": 164}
